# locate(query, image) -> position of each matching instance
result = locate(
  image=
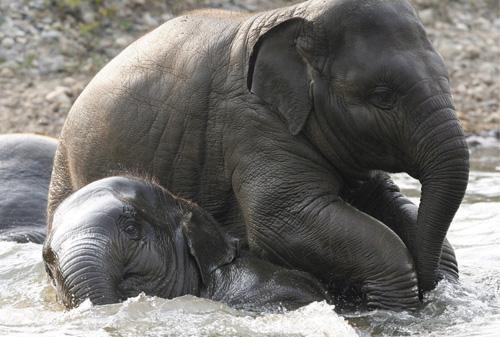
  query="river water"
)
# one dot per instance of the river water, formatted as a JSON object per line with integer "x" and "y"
{"x": 28, "y": 305}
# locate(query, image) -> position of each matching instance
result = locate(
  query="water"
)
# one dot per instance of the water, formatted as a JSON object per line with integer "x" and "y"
{"x": 28, "y": 304}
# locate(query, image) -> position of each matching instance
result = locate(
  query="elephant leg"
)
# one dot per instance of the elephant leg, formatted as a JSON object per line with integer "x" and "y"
{"x": 381, "y": 198}
{"x": 297, "y": 221}
{"x": 343, "y": 246}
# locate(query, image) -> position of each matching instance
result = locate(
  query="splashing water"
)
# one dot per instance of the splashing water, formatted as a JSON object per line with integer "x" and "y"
{"x": 28, "y": 304}
{"x": 28, "y": 307}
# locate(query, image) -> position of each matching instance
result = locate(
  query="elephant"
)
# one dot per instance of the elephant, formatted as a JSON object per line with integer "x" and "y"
{"x": 273, "y": 121}
{"x": 25, "y": 169}
{"x": 123, "y": 235}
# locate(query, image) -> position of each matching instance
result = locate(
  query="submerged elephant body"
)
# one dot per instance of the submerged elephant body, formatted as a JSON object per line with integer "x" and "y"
{"x": 25, "y": 168}
{"x": 270, "y": 121}
{"x": 120, "y": 236}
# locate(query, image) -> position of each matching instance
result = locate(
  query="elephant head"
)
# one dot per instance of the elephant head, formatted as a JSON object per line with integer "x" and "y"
{"x": 361, "y": 82}
{"x": 120, "y": 236}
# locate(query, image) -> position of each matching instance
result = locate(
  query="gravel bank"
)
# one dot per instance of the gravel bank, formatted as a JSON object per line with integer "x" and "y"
{"x": 50, "y": 49}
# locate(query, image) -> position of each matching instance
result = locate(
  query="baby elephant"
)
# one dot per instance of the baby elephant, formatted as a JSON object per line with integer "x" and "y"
{"x": 120, "y": 236}
{"x": 25, "y": 168}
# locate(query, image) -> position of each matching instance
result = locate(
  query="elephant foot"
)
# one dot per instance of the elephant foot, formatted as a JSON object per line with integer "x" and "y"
{"x": 397, "y": 293}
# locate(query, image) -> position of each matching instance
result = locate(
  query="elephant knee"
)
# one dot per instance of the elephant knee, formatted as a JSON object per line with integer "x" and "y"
{"x": 392, "y": 282}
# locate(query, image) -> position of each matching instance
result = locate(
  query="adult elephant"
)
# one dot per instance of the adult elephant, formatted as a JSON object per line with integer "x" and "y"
{"x": 25, "y": 167}
{"x": 266, "y": 120}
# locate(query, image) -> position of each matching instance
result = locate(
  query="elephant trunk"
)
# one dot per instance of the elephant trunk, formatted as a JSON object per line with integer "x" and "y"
{"x": 443, "y": 170}
{"x": 81, "y": 268}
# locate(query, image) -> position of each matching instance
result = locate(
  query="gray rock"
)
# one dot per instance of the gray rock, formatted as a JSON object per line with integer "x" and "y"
{"x": 59, "y": 95}
{"x": 461, "y": 26}
{"x": 69, "y": 81}
{"x": 16, "y": 32}
{"x": 6, "y": 72}
{"x": 50, "y": 36}
{"x": 8, "y": 42}
{"x": 88, "y": 15}
{"x": 37, "y": 4}
{"x": 71, "y": 47}
{"x": 427, "y": 16}
{"x": 21, "y": 40}
{"x": 122, "y": 41}
{"x": 149, "y": 20}
{"x": 51, "y": 64}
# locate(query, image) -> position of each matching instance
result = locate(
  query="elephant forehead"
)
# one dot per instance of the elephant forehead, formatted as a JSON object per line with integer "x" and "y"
{"x": 100, "y": 207}
{"x": 396, "y": 68}
{"x": 107, "y": 199}
{"x": 379, "y": 23}
{"x": 384, "y": 15}
{"x": 139, "y": 191}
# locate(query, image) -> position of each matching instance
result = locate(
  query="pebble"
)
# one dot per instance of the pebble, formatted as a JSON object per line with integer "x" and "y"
{"x": 122, "y": 41}
{"x": 21, "y": 40}
{"x": 50, "y": 36}
{"x": 8, "y": 42}
{"x": 69, "y": 81}
{"x": 6, "y": 72}
{"x": 461, "y": 26}
{"x": 427, "y": 16}
{"x": 59, "y": 94}
{"x": 88, "y": 16}
{"x": 149, "y": 20}
{"x": 51, "y": 64}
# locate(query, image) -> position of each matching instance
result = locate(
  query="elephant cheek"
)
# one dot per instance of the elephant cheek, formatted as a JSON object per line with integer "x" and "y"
{"x": 153, "y": 269}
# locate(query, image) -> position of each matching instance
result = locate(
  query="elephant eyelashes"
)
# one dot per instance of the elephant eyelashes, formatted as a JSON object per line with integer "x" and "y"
{"x": 383, "y": 98}
{"x": 130, "y": 227}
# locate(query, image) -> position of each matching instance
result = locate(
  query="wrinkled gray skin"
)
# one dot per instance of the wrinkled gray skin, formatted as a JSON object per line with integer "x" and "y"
{"x": 25, "y": 167}
{"x": 273, "y": 121}
{"x": 120, "y": 236}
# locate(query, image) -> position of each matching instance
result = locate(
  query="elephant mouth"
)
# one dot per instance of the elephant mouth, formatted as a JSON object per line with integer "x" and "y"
{"x": 132, "y": 284}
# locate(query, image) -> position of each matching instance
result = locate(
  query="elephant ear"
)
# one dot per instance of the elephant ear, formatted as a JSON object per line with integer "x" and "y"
{"x": 208, "y": 245}
{"x": 278, "y": 74}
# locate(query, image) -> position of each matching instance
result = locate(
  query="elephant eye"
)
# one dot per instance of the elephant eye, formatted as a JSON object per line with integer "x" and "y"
{"x": 130, "y": 228}
{"x": 383, "y": 98}
{"x": 133, "y": 231}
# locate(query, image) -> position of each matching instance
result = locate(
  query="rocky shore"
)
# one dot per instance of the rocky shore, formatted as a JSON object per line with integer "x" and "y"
{"x": 50, "y": 49}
